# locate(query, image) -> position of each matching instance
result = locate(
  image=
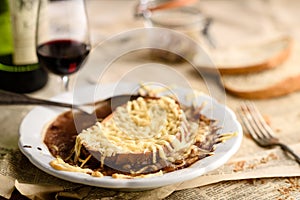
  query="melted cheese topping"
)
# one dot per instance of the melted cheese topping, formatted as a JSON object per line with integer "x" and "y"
{"x": 60, "y": 164}
{"x": 124, "y": 176}
{"x": 144, "y": 125}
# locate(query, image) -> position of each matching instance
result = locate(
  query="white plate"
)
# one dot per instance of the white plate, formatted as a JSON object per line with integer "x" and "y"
{"x": 31, "y": 134}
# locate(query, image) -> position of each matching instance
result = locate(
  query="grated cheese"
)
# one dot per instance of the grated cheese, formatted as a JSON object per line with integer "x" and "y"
{"x": 142, "y": 125}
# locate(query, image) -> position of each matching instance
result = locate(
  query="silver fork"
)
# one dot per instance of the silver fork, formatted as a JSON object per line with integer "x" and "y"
{"x": 259, "y": 130}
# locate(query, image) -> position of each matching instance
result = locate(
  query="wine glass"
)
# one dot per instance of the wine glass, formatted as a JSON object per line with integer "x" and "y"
{"x": 62, "y": 39}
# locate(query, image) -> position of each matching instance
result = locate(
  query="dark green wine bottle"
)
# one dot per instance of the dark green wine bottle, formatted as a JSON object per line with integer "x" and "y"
{"x": 19, "y": 68}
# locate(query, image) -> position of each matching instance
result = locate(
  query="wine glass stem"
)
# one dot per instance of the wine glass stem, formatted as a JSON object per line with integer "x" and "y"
{"x": 65, "y": 81}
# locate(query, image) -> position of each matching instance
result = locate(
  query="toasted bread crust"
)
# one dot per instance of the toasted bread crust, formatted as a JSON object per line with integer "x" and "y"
{"x": 281, "y": 88}
{"x": 272, "y": 62}
{"x": 275, "y": 61}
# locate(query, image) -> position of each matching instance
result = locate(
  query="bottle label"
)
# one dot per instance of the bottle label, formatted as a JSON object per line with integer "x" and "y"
{"x": 24, "y": 17}
{"x": 19, "y": 68}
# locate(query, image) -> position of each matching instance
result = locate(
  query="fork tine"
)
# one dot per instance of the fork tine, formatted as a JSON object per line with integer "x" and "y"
{"x": 248, "y": 123}
{"x": 264, "y": 128}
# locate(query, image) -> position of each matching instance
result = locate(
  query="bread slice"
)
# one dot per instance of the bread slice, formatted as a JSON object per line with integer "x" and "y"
{"x": 143, "y": 136}
{"x": 247, "y": 59}
{"x": 274, "y": 82}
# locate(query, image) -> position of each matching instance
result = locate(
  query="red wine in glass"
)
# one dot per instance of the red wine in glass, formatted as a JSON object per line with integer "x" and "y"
{"x": 62, "y": 57}
{"x": 62, "y": 40}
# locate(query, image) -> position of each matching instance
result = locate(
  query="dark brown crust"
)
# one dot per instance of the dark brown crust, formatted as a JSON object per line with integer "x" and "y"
{"x": 271, "y": 62}
{"x": 281, "y": 88}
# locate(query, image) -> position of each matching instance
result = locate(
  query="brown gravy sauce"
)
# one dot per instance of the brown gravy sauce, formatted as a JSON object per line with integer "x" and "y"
{"x": 61, "y": 134}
